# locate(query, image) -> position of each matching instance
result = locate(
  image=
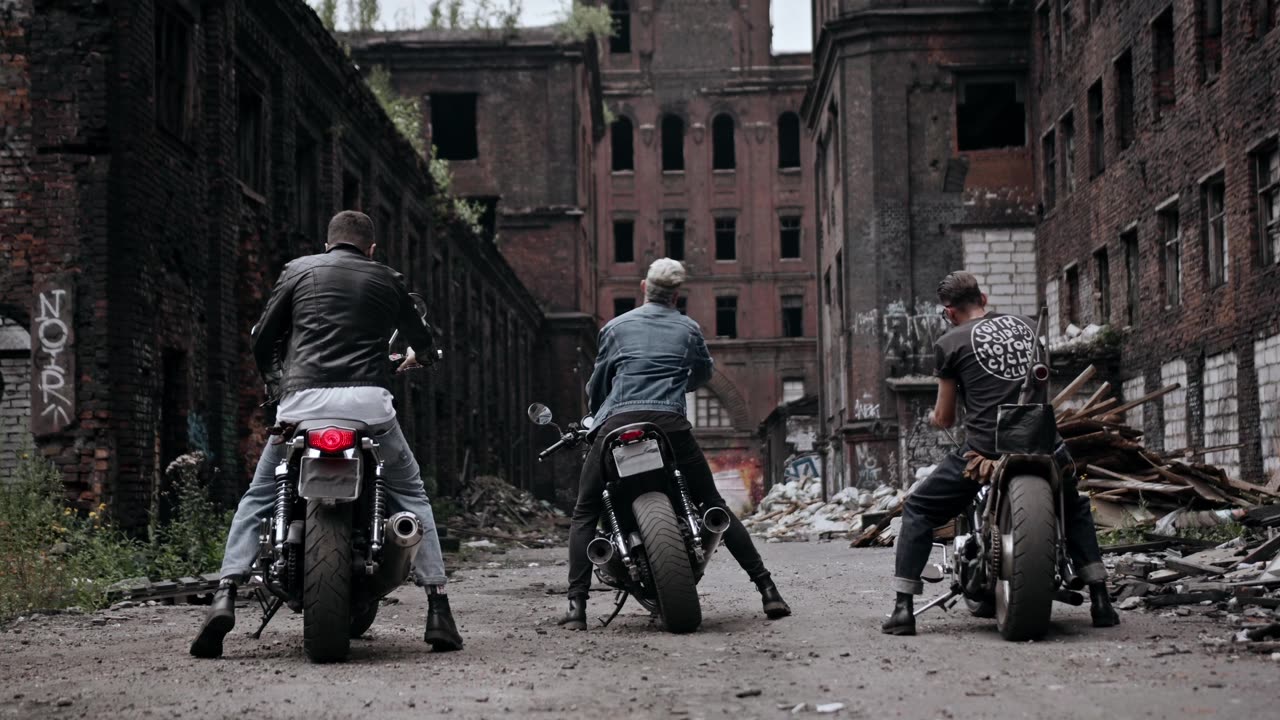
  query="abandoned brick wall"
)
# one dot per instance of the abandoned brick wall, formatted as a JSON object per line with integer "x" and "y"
{"x": 919, "y": 173}
{"x": 1177, "y": 129}
{"x": 169, "y": 157}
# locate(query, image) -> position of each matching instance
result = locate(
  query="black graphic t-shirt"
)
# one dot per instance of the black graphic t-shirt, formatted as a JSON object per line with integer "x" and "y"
{"x": 988, "y": 358}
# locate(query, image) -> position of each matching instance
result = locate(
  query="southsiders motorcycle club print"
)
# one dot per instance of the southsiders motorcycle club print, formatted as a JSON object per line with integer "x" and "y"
{"x": 1003, "y": 345}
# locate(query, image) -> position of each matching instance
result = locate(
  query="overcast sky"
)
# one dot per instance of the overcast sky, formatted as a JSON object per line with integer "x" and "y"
{"x": 791, "y": 31}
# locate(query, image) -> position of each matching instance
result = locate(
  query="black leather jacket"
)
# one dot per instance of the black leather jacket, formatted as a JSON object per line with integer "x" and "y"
{"x": 335, "y": 313}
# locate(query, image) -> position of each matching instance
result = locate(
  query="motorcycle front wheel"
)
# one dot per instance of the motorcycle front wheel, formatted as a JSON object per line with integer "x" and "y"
{"x": 669, "y": 566}
{"x": 326, "y": 590}
{"x": 1027, "y": 528}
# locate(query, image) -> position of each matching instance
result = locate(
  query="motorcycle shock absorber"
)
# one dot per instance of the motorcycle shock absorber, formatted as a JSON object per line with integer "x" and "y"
{"x": 615, "y": 531}
{"x": 282, "y": 506}
{"x": 690, "y": 515}
{"x": 377, "y": 530}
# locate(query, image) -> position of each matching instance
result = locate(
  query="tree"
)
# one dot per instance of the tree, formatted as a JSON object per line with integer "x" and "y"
{"x": 579, "y": 22}
{"x": 328, "y": 12}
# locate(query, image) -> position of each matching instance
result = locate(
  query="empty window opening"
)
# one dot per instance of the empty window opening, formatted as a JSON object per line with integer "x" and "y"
{"x": 488, "y": 215}
{"x": 1267, "y": 171}
{"x": 727, "y": 316}
{"x": 1124, "y": 100}
{"x": 1211, "y": 38}
{"x": 623, "y": 305}
{"x": 1164, "y": 91}
{"x": 624, "y": 241}
{"x": 792, "y": 389}
{"x": 249, "y": 143}
{"x": 1097, "y": 131}
{"x": 705, "y": 410}
{"x": 673, "y": 235}
{"x": 793, "y": 316}
{"x": 1215, "y": 230}
{"x": 682, "y": 304}
{"x": 1067, "y": 21}
{"x": 991, "y": 114}
{"x": 350, "y": 192}
{"x": 1073, "y": 295}
{"x": 306, "y": 175}
{"x": 1049, "y": 154}
{"x": 790, "y": 231}
{"x": 723, "y": 156}
{"x": 1170, "y": 257}
{"x": 1046, "y": 44}
{"x": 453, "y": 126}
{"x": 1069, "y": 153}
{"x": 623, "y": 145}
{"x": 620, "y": 40}
{"x": 672, "y": 144}
{"x": 1132, "y": 268}
{"x": 173, "y": 70}
{"x": 1102, "y": 287}
{"x": 788, "y": 141}
{"x": 726, "y": 238}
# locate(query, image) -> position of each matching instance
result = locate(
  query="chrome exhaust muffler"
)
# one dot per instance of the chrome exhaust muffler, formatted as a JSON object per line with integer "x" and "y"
{"x": 403, "y": 533}
{"x": 715, "y": 521}
{"x": 600, "y": 551}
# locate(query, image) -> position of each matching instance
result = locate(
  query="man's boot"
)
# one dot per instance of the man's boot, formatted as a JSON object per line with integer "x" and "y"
{"x": 903, "y": 619}
{"x": 774, "y": 606}
{"x": 1104, "y": 615}
{"x": 217, "y": 623}
{"x": 575, "y": 618}
{"x": 442, "y": 631}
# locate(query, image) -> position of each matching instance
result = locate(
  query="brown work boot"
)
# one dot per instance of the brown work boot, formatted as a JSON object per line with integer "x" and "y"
{"x": 219, "y": 621}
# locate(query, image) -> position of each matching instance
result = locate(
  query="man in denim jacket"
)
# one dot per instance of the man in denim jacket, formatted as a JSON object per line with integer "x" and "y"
{"x": 648, "y": 359}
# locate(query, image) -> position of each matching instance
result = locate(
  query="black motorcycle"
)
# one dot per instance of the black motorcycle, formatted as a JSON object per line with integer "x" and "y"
{"x": 652, "y": 544}
{"x": 329, "y": 550}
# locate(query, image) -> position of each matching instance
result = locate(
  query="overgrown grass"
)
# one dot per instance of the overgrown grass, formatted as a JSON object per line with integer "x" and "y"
{"x": 54, "y": 557}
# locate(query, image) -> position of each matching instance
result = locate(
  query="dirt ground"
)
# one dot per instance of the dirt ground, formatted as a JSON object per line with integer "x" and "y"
{"x": 133, "y": 663}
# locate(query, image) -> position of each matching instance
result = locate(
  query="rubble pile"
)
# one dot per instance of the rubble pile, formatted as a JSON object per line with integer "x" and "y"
{"x": 489, "y": 508}
{"x": 795, "y": 510}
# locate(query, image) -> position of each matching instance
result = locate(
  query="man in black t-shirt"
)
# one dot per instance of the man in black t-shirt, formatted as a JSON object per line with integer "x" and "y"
{"x": 981, "y": 361}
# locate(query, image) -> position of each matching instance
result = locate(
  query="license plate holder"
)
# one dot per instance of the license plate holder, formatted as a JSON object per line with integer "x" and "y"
{"x": 638, "y": 458}
{"x": 330, "y": 478}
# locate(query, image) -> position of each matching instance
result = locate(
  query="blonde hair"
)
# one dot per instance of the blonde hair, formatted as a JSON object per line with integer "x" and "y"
{"x": 664, "y": 278}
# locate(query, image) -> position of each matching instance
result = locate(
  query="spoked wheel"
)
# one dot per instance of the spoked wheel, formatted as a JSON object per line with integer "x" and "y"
{"x": 326, "y": 593}
{"x": 669, "y": 566}
{"x": 1024, "y": 589}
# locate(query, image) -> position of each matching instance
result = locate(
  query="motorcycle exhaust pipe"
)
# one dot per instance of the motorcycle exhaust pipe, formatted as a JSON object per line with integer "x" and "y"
{"x": 403, "y": 533}
{"x": 600, "y": 551}
{"x": 715, "y": 521}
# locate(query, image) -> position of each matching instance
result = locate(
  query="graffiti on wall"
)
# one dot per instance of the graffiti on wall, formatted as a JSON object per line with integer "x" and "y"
{"x": 909, "y": 335}
{"x": 801, "y": 467}
{"x": 53, "y": 366}
{"x": 739, "y": 477}
{"x": 873, "y": 467}
{"x": 864, "y": 409}
{"x": 921, "y": 444}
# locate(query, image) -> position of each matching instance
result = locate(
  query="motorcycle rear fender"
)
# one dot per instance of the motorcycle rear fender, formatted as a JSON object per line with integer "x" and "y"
{"x": 1042, "y": 466}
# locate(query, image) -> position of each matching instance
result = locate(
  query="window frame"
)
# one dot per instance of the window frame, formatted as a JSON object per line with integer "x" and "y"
{"x": 1126, "y": 129}
{"x": 1214, "y": 229}
{"x": 790, "y": 144}
{"x": 783, "y": 229}
{"x": 721, "y": 225}
{"x": 1097, "y": 130}
{"x": 630, "y": 142}
{"x": 1133, "y": 275}
{"x": 671, "y": 227}
{"x": 792, "y": 302}
{"x": 1049, "y": 167}
{"x": 631, "y": 241}
{"x": 1170, "y": 254}
{"x": 727, "y": 304}
{"x": 667, "y": 124}
{"x": 173, "y": 90}
{"x": 1267, "y": 159}
{"x": 1102, "y": 286}
{"x": 724, "y": 151}
{"x": 620, "y": 16}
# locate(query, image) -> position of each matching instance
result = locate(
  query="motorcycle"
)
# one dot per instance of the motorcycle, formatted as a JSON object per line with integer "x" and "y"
{"x": 652, "y": 544}
{"x": 1009, "y": 559}
{"x": 329, "y": 550}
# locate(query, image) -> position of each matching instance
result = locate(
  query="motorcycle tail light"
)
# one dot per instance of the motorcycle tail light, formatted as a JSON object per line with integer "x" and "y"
{"x": 1041, "y": 372}
{"x": 331, "y": 439}
{"x": 631, "y": 436}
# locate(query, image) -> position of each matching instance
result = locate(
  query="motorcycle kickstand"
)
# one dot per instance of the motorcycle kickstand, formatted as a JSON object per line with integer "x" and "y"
{"x": 943, "y": 601}
{"x": 623, "y": 594}
{"x": 269, "y": 611}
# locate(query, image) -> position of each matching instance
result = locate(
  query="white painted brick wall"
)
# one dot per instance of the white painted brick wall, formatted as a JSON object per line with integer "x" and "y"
{"x": 15, "y": 403}
{"x": 1051, "y": 300}
{"x": 1221, "y": 412}
{"x": 1266, "y": 361}
{"x": 1175, "y": 405}
{"x": 1004, "y": 261}
{"x": 1132, "y": 389}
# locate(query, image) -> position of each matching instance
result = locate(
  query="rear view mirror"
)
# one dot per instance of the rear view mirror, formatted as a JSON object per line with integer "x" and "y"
{"x": 540, "y": 414}
{"x": 588, "y": 422}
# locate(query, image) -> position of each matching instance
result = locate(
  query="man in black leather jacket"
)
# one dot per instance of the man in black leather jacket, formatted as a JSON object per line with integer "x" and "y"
{"x": 335, "y": 313}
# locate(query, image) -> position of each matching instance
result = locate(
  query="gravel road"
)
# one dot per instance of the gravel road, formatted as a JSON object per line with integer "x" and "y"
{"x": 133, "y": 663}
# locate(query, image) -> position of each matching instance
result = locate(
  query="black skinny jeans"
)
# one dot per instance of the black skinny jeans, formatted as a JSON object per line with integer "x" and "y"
{"x": 946, "y": 493}
{"x": 697, "y": 473}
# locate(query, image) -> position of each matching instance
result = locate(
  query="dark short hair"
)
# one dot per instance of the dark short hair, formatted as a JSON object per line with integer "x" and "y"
{"x": 959, "y": 289}
{"x": 351, "y": 228}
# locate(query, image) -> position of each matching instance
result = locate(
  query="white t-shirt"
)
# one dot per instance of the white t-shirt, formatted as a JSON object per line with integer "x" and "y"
{"x": 369, "y": 405}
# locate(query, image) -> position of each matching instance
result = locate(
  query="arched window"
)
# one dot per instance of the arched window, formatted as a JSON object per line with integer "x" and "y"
{"x": 722, "y": 151}
{"x": 620, "y": 40}
{"x": 705, "y": 410}
{"x": 789, "y": 140}
{"x": 672, "y": 143}
{"x": 623, "y": 145}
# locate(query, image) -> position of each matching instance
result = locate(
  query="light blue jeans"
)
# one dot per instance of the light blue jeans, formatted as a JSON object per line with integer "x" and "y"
{"x": 405, "y": 493}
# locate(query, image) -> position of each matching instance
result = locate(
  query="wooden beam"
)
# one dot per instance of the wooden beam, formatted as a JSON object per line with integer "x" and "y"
{"x": 1074, "y": 386}
{"x": 1147, "y": 398}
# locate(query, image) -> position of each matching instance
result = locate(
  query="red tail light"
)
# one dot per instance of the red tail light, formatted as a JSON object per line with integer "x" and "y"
{"x": 331, "y": 439}
{"x": 1041, "y": 372}
{"x": 631, "y": 436}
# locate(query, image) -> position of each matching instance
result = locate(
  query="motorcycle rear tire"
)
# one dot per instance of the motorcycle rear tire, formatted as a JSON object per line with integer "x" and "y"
{"x": 669, "y": 566}
{"x": 326, "y": 593}
{"x": 1024, "y": 590}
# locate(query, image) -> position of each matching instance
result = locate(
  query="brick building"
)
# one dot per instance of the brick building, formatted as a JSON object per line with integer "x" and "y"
{"x": 705, "y": 162}
{"x": 163, "y": 159}
{"x": 1156, "y": 127}
{"x": 919, "y": 113}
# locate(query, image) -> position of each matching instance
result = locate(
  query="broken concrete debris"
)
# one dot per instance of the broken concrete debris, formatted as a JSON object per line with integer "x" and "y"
{"x": 491, "y": 511}
{"x": 796, "y": 511}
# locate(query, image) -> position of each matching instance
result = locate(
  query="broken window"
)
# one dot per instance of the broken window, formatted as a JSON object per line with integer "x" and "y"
{"x": 623, "y": 305}
{"x": 173, "y": 70}
{"x": 1102, "y": 287}
{"x": 1097, "y": 131}
{"x": 1266, "y": 164}
{"x": 488, "y": 215}
{"x": 1170, "y": 257}
{"x": 1049, "y": 153}
{"x": 682, "y": 304}
{"x": 453, "y": 126}
{"x": 306, "y": 183}
{"x": 705, "y": 410}
{"x": 726, "y": 238}
{"x": 1069, "y": 153}
{"x": 249, "y": 125}
{"x": 727, "y": 316}
{"x": 1164, "y": 92}
{"x": 792, "y": 389}
{"x": 620, "y": 40}
{"x": 722, "y": 143}
{"x": 1046, "y": 44}
{"x": 624, "y": 245}
{"x": 623, "y": 145}
{"x": 1073, "y": 295}
{"x": 793, "y": 316}
{"x": 990, "y": 114}
{"x": 788, "y": 141}
{"x": 350, "y": 192}
{"x": 790, "y": 229}
{"x": 1211, "y": 38}
{"x": 673, "y": 234}
{"x": 672, "y": 143}
{"x": 1131, "y": 274}
{"x": 1213, "y": 197}
{"x": 1124, "y": 100}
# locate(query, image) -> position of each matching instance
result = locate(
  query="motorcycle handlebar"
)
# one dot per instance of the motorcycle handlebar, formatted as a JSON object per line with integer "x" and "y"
{"x": 573, "y": 437}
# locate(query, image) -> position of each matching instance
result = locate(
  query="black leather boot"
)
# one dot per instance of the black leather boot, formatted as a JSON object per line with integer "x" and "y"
{"x": 575, "y": 618}
{"x": 903, "y": 619}
{"x": 442, "y": 631}
{"x": 1104, "y": 615}
{"x": 774, "y": 606}
{"x": 217, "y": 623}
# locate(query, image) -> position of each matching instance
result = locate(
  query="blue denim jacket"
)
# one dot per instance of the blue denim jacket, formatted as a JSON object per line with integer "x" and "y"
{"x": 647, "y": 360}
